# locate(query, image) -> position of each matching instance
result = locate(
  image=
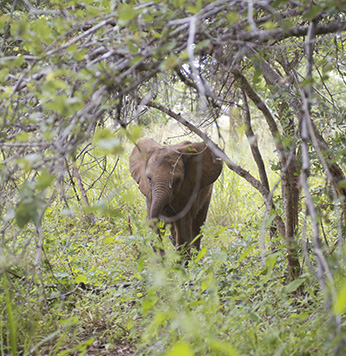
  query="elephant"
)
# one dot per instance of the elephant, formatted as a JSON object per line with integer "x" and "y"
{"x": 177, "y": 181}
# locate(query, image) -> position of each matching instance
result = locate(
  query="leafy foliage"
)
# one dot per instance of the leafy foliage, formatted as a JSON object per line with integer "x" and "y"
{"x": 80, "y": 82}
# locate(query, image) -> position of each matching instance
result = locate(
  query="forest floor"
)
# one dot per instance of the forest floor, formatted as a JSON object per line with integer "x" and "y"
{"x": 103, "y": 347}
{"x": 117, "y": 349}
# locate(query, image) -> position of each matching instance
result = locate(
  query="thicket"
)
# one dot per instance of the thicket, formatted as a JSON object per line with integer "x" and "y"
{"x": 262, "y": 83}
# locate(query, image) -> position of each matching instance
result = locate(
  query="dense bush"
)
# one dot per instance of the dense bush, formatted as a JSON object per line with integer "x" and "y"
{"x": 262, "y": 84}
{"x": 101, "y": 287}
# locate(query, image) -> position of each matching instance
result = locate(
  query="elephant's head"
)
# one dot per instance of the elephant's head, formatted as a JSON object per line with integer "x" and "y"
{"x": 170, "y": 175}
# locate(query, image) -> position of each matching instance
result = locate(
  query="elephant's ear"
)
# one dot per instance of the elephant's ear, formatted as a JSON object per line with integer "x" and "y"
{"x": 138, "y": 162}
{"x": 201, "y": 165}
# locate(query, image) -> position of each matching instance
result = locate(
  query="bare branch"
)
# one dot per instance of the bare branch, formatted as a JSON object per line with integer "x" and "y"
{"x": 260, "y": 37}
{"x": 245, "y": 85}
{"x": 254, "y": 144}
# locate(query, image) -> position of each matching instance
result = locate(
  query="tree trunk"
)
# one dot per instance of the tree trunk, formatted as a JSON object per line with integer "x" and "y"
{"x": 289, "y": 169}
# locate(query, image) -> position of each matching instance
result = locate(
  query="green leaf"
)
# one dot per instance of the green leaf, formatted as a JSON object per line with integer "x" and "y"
{"x": 22, "y": 136}
{"x": 181, "y": 349}
{"x": 193, "y": 9}
{"x": 307, "y": 82}
{"x": 256, "y": 76}
{"x": 73, "y": 320}
{"x": 11, "y": 317}
{"x": 81, "y": 279}
{"x": 339, "y": 306}
{"x": 29, "y": 204}
{"x": 108, "y": 142}
{"x": 44, "y": 180}
{"x": 4, "y": 72}
{"x": 63, "y": 105}
{"x": 28, "y": 161}
{"x": 25, "y": 211}
{"x": 129, "y": 197}
{"x": 42, "y": 30}
{"x": 109, "y": 239}
{"x": 170, "y": 63}
{"x": 233, "y": 17}
{"x": 269, "y": 25}
{"x": 191, "y": 149}
{"x": 201, "y": 253}
{"x": 3, "y": 21}
{"x": 313, "y": 12}
{"x": 293, "y": 286}
{"x": 102, "y": 208}
{"x": 245, "y": 253}
{"x": 270, "y": 218}
{"x": 224, "y": 347}
{"x": 342, "y": 184}
{"x": 134, "y": 133}
{"x": 126, "y": 12}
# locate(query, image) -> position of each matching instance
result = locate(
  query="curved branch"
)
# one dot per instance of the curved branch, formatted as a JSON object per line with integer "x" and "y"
{"x": 278, "y": 34}
{"x": 245, "y": 85}
{"x": 254, "y": 144}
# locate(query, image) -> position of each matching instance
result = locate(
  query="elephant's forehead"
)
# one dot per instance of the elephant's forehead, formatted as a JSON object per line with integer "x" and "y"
{"x": 166, "y": 157}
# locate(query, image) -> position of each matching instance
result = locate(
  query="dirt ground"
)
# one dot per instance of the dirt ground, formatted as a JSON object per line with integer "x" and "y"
{"x": 114, "y": 350}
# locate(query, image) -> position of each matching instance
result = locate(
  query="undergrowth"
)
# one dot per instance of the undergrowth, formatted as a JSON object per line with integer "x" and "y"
{"x": 100, "y": 286}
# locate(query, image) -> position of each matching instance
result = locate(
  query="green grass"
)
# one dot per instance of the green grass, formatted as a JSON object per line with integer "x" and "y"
{"x": 101, "y": 287}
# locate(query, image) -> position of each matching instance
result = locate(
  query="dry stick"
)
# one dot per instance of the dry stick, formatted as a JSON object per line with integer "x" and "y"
{"x": 250, "y": 15}
{"x": 334, "y": 174}
{"x": 306, "y": 132}
{"x": 103, "y": 171}
{"x": 71, "y": 180}
{"x": 329, "y": 101}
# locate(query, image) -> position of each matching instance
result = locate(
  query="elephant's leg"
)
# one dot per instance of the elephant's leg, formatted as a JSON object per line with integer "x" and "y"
{"x": 198, "y": 221}
{"x": 183, "y": 233}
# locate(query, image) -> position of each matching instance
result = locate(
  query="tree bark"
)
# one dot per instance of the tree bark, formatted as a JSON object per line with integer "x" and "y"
{"x": 290, "y": 192}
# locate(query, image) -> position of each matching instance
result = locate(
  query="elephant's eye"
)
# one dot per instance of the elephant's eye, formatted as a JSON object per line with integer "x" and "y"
{"x": 149, "y": 180}
{"x": 177, "y": 181}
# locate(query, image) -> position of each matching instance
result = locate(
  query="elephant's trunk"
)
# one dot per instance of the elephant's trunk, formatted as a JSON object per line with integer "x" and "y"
{"x": 160, "y": 200}
{"x": 156, "y": 210}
